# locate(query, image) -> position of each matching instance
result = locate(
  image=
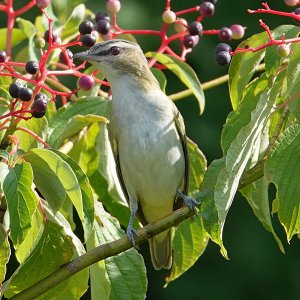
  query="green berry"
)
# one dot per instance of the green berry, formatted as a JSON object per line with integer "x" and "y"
{"x": 283, "y": 50}
{"x": 169, "y": 16}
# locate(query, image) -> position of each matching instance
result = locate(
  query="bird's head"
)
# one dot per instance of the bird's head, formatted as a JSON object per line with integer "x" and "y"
{"x": 115, "y": 58}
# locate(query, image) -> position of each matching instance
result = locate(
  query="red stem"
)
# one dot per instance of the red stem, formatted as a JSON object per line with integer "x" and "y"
{"x": 38, "y": 138}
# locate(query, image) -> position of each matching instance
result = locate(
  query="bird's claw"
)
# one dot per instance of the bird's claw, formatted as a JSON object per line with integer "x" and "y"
{"x": 188, "y": 201}
{"x": 131, "y": 233}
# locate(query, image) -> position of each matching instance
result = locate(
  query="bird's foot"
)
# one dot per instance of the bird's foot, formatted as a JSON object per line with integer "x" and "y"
{"x": 188, "y": 201}
{"x": 131, "y": 233}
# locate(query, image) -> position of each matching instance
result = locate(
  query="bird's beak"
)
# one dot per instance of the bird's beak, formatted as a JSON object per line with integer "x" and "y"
{"x": 84, "y": 56}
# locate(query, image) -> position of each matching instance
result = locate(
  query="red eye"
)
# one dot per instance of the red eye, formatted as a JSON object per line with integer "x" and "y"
{"x": 115, "y": 50}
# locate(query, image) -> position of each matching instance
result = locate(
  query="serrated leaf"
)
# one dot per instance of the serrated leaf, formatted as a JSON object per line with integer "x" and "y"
{"x": 243, "y": 65}
{"x": 54, "y": 178}
{"x": 37, "y": 126}
{"x": 184, "y": 72}
{"x": 17, "y": 37}
{"x": 21, "y": 200}
{"x": 282, "y": 168}
{"x": 122, "y": 276}
{"x": 86, "y": 209}
{"x": 161, "y": 78}
{"x": 4, "y": 252}
{"x": 59, "y": 123}
{"x": 189, "y": 243}
{"x": 272, "y": 59}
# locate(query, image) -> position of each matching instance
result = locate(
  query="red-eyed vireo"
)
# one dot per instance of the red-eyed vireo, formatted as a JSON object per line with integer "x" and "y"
{"x": 148, "y": 140}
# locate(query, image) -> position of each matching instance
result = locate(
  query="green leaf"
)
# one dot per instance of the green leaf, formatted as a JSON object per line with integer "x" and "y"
{"x": 293, "y": 80}
{"x": 37, "y": 126}
{"x": 4, "y": 170}
{"x": 122, "y": 276}
{"x": 21, "y": 200}
{"x": 70, "y": 29}
{"x": 243, "y": 66}
{"x": 272, "y": 59}
{"x": 68, "y": 120}
{"x": 86, "y": 209}
{"x": 258, "y": 198}
{"x": 282, "y": 168}
{"x": 17, "y": 37}
{"x": 189, "y": 243}
{"x": 4, "y": 252}
{"x": 184, "y": 72}
{"x": 4, "y": 154}
{"x": 161, "y": 78}
{"x": 55, "y": 245}
{"x": 54, "y": 178}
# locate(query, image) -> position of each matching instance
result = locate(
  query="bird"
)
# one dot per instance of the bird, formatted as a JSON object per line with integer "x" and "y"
{"x": 148, "y": 140}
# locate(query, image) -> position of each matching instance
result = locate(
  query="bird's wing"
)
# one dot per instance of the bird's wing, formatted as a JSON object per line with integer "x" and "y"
{"x": 114, "y": 147}
{"x": 181, "y": 131}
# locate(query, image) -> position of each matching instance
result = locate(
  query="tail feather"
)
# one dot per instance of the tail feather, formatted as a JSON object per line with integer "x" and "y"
{"x": 161, "y": 250}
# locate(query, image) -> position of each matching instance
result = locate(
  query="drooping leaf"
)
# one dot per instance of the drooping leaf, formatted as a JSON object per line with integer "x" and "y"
{"x": 86, "y": 210}
{"x": 59, "y": 123}
{"x": 122, "y": 276}
{"x": 4, "y": 252}
{"x": 184, "y": 72}
{"x": 243, "y": 65}
{"x": 54, "y": 178}
{"x": 161, "y": 78}
{"x": 21, "y": 200}
{"x": 282, "y": 168}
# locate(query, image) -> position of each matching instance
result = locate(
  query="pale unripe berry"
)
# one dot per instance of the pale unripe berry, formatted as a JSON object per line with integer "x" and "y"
{"x": 283, "y": 50}
{"x": 86, "y": 82}
{"x": 238, "y": 31}
{"x": 179, "y": 27}
{"x": 113, "y": 6}
{"x": 169, "y": 16}
{"x": 291, "y": 2}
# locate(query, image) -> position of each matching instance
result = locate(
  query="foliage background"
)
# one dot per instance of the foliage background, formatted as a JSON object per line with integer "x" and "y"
{"x": 256, "y": 269}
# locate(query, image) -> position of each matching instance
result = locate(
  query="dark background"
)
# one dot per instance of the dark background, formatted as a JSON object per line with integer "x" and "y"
{"x": 256, "y": 269}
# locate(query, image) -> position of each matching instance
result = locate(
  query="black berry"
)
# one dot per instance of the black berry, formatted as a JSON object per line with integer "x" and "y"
{"x": 88, "y": 40}
{"x": 207, "y": 9}
{"x": 103, "y": 26}
{"x": 38, "y": 114}
{"x": 102, "y": 16}
{"x": 222, "y": 47}
{"x": 14, "y": 89}
{"x": 32, "y": 67}
{"x": 225, "y": 34}
{"x": 63, "y": 58}
{"x": 195, "y": 28}
{"x": 25, "y": 94}
{"x": 40, "y": 102}
{"x": 2, "y": 56}
{"x": 223, "y": 58}
{"x": 54, "y": 36}
{"x": 190, "y": 41}
{"x": 86, "y": 27}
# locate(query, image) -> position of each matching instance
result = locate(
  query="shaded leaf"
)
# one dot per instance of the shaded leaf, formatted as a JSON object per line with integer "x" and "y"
{"x": 161, "y": 78}
{"x": 4, "y": 252}
{"x": 17, "y": 37}
{"x": 184, "y": 72}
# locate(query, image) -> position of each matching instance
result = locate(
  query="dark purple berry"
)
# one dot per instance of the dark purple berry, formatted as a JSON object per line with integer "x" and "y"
{"x": 25, "y": 94}
{"x": 54, "y": 36}
{"x": 207, "y": 9}
{"x": 38, "y": 114}
{"x": 86, "y": 27}
{"x": 62, "y": 56}
{"x": 88, "y": 40}
{"x": 225, "y": 34}
{"x": 14, "y": 89}
{"x": 2, "y": 56}
{"x": 195, "y": 28}
{"x": 102, "y": 16}
{"x": 32, "y": 67}
{"x": 190, "y": 41}
{"x": 297, "y": 12}
{"x": 86, "y": 82}
{"x": 40, "y": 102}
{"x": 103, "y": 26}
{"x": 222, "y": 47}
{"x": 42, "y": 3}
{"x": 223, "y": 58}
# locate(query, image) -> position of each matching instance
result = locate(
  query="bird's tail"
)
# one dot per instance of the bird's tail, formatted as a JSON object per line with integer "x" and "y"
{"x": 161, "y": 250}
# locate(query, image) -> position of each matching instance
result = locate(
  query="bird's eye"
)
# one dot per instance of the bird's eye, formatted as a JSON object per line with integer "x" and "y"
{"x": 115, "y": 50}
